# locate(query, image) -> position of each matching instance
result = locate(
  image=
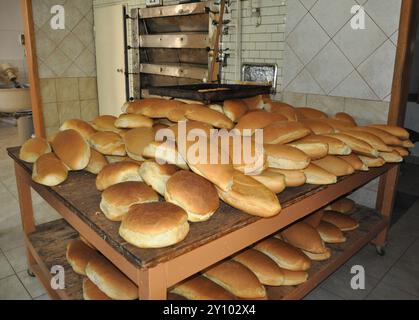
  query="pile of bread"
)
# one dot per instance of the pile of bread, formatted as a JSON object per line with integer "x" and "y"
{"x": 282, "y": 260}
{"x": 301, "y": 145}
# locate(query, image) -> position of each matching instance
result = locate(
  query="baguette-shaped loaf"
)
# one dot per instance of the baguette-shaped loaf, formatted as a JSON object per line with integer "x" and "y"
{"x": 335, "y": 146}
{"x": 343, "y": 205}
{"x": 317, "y": 126}
{"x": 293, "y": 178}
{"x": 303, "y": 236}
{"x": 334, "y": 165}
{"x": 201, "y": 288}
{"x": 357, "y": 145}
{"x": 286, "y": 157}
{"x": 354, "y": 161}
{"x": 343, "y": 222}
{"x": 274, "y": 181}
{"x": 391, "y": 157}
{"x": 315, "y": 150}
{"x": 402, "y": 151}
{"x": 399, "y": 132}
{"x": 343, "y": 116}
{"x": 284, "y": 132}
{"x": 372, "y": 162}
{"x": 257, "y": 120}
{"x": 284, "y": 109}
{"x": 387, "y": 138}
{"x": 310, "y": 113}
{"x": 316, "y": 175}
{"x": 319, "y": 256}
{"x": 369, "y": 138}
{"x": 330, "y": 233}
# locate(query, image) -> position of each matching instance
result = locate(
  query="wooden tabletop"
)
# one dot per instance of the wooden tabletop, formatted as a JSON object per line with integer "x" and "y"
{"x": 79, "y": 194}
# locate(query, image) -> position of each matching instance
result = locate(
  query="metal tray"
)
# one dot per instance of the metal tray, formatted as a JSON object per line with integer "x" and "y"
{"x": 192, "y": 92}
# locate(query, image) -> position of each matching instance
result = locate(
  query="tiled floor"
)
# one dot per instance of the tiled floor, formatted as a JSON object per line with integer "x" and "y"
{"x": 393, "y": 276}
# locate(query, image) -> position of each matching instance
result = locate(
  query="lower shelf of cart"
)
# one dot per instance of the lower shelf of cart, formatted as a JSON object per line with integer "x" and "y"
{"x": 48, "y": 246}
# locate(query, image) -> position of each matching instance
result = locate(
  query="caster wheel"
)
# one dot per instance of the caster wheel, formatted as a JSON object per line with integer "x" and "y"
{"x": 30, "y": 273}
{"x": 381, "y": 251}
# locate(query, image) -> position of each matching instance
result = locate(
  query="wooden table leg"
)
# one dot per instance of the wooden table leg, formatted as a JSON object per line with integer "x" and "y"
{"x": 385, "y": 201}
{"x": 23, "y": 181}
{"x": 152, "y": 283}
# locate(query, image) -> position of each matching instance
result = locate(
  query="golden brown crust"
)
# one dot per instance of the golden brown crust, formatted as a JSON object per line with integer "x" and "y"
{"x": 97, "y": 162}
{"x": 85, "y": 129}
{"x": 117, "y": 172}
{"x": 358, "y": 146}
{"x": 78, "y": 255}
{"x": 48, "y": 170}
{"x": 317, "y": 126}
{"x": 317, "y": 175}
{"x": 254, "y": 103}
{"x": 136, "y": 140}
{"x": 235, "y": 109}
{"x": 108, "y": 143}
{"x": 284, "y": 132}
{"x": 274, "y": 181}
{"x": 286, "y": 157}
{"x": 204, "y": 114}
{"x": 132, "y": 121}
{"x": 257, "y": 120}
{"x": 105, "y": 123}
{"x": 310, "y": 113}
{"x": 343, "y": 222}
{"x": 343, "y": 205}
{"x": 330, "y": 233}
{"x": 92, "y": 292}
{"x": 303, "y": 236}
{"x": 335, "y": 166}
{"x": 354, "y": 161}
{"x": 369, "y": 138}
{"x": 282, "y": 108}
{"x": 399, "y": 132}
{"x": 293, "y": 178}
{"x": 201, "y": 288}
{"x": 335, "y": 146}
{"x": 372, "y": 162}
{"x": 315, "y": 150}
{"x": 343, "y": 116}
{"x": 386, "y": 137}
{"x": 32, "y": 149}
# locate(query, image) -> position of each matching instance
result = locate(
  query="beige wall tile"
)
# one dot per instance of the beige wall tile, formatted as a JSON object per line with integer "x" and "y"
{"x": 67, "y": 89}
{"x": 48, "y": 91}
{"x": 50, "y": 111}
{"x": 89, "y": 109}
{"x": 69, "y": 110}
{"x": 51, "y": 131}
{"x": 88, "y": 88}
{"x": 366, "y": 111}
{"x": 328, "y": 104}
{"x": 294, "y": 98}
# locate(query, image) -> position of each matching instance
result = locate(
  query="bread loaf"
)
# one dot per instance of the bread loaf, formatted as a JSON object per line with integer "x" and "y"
{"x": 78, "y": 255}
{"x": 338, "y": 125}
{"x": 72, "y": 149}
{"x": 358, "y": 146}
{"x": 330, "y": 233}
{"x": 92, "y": 292}
{"x": 401, "y": 151}
{"x": 317, "y": 126}
{"x": 316, "y": 175}
{"x": 272, "y": 180}
{"x": 136, "y": 140}
{"x": 284, "y": 132}
{"x": 343, "y": 222}
{"x": 371, "y": 162}
{"x": 156, "y": 175}
{"x": 257, "y": 120}
{"x": 343, "y": 205}
{"x": 310, "y": 113}
{"x": 206, "y": 115}
{"x": 165, "y": 153}
{"x": 117, "y": 199}
{"x": 254, "y": 103}
{"x": 342, "y": 116}
{"x": 294, "y": 278}
{"x": 116, "y": 173}
{"x": 283, "y": 109}
{"x": 293, "y": 178}
{"x": 335, "y": 146}
{"x": 237, "y": 279}
{"x": 314, "y": 219}
{"x": 285, "y": 157}
{"x": 49, "y": 171}
{"x": 32, "y": 149}
{"x": 354, "y": 161}
{"x": 303, "y": 236}
{"x": 369, "y": 138}
{"x": 386, "y": 137}
{"x": 265, "y": 269}
{"x": 108, "y": 143}
{"x": 235, "y": 109}
{"x": 315, "y": 150}
{"x": 399, "y": 132}
{"x": 201, "y": 288}
{"x": 85, "y": 129}
{"x": 334, "y": 165}
{"x": 132, "y": 121}
{"x": 408, "y": 144}
{"x": 105, "y": 123}
{"x": 97, "y": 162}
{"x": 319, "y": 256}
{"x": 391, "y": 157}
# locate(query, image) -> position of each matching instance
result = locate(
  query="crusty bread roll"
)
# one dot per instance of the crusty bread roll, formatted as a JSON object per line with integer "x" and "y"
{"x": 293, "y": 178}
{"x": 334, "y": 165}
{"x": 136, "y": 140}
{"x": 108, "y": 143}
{"x": 132, "y": 121}
{"x": 343, "y": 116}
{"x": 117, "y": 172}
{"x": 369, "y": 138}
{"x": 201, "y": 288}
{"x": 317, "y": 175}
{"x": 343, "y": 222}
{"x": 265, "y": 269}
{"x": 156, "y": 175}
{"x": 303, "y": 236}
{"x": 72, "y": 149}
{"x": 294, "y": 278}
{"x": 274, "y": 181}
{"x": 110, "y": 280}
{"x": 85, "y": 129}
{"x": 343, "y": 205}
{"x": 386, "y": 137}
{"x": 97, "y": 162}
{"x": 204, "y": 114}
{"x": 391, "y": 157}
{"x": 49, "y": 171}
{"x": 237, "y": 279}
{"x": 314, "y": 219}
{"x": 317, "y": 126}
{"x": 284, "y": 254}
{"x": 284, "y": 132}
{"x": 399, "y": 132}
{"x": 401, "y": 151}
{"x": 194, "y": 194}
{"x": 254, "y": 103}
{"x": 257, "y": 120}
{"x": 354, "y": 161}
{"x": 153, "y": 107}
{"x": 319, "y": 256}
{"x": 358, "y": 146}
{"x": 315, "y": 150}
{"x": 117, "y": 199}
{"x": 92, "y": 292}
{"x": 105, "y": 123}
{"x": 32, "y": 149}
{"x": 165, "y": 153}
{"x": 408, "y": 144}
{"x": 250, "y": 196}
{"x": 235, "y": 109}
{"x": 310, "y": 113}
{"x": 154, "y": 225}
{"x": 286, "y": 157}
{"x": 284, "y": 109}
{"x": 78, "y": 255}
{"x": 372, "y": 162}
{"x": 330, "y": 233}
{"x": 336, "y": 146}
{"x": 337, "y": 125}
{"x": 183, "y": 129}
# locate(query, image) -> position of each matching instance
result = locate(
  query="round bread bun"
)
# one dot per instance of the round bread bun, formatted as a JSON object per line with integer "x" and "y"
{"x": 156, "y": 175}
{"x": 110, "y": 280}
{"x": 303, "y": 236}
{"x": 105, "y": 123}
{"x": 32, "y": 149}
{"x": 201, "y": 288}
{"x": 319, "y": 256}
{"x": 274, "y": 181}
{"x": 92, "y": 292}
{"x": 117, "y": 172}
{"x": 293, "y": 178}
{"x": 72, "y": 149}
{"x": 294, "y": 278}
{"x": 85, "y": 129}
{"x": 108, "y": 143}
{"x": 132, "y": 121}
{"x": 194, "y": 194}
{"x": 237, "y": 279}
{"x": 330, "y": 233}
{"x": 136, "y": 140}
{"x": 235, "y": 109}
{"x": 343, "y": 222}
{"x": 343, "y": 205}
{"x": 284, "y": 254}
{"x": 49, "y": 171}
{"x": 117, "y": 199}
{"x": 265, "y": 269}
{"x": 154, "y": 225}
{"x": 78, "y": 255}
{"x": 97, "y": 162}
